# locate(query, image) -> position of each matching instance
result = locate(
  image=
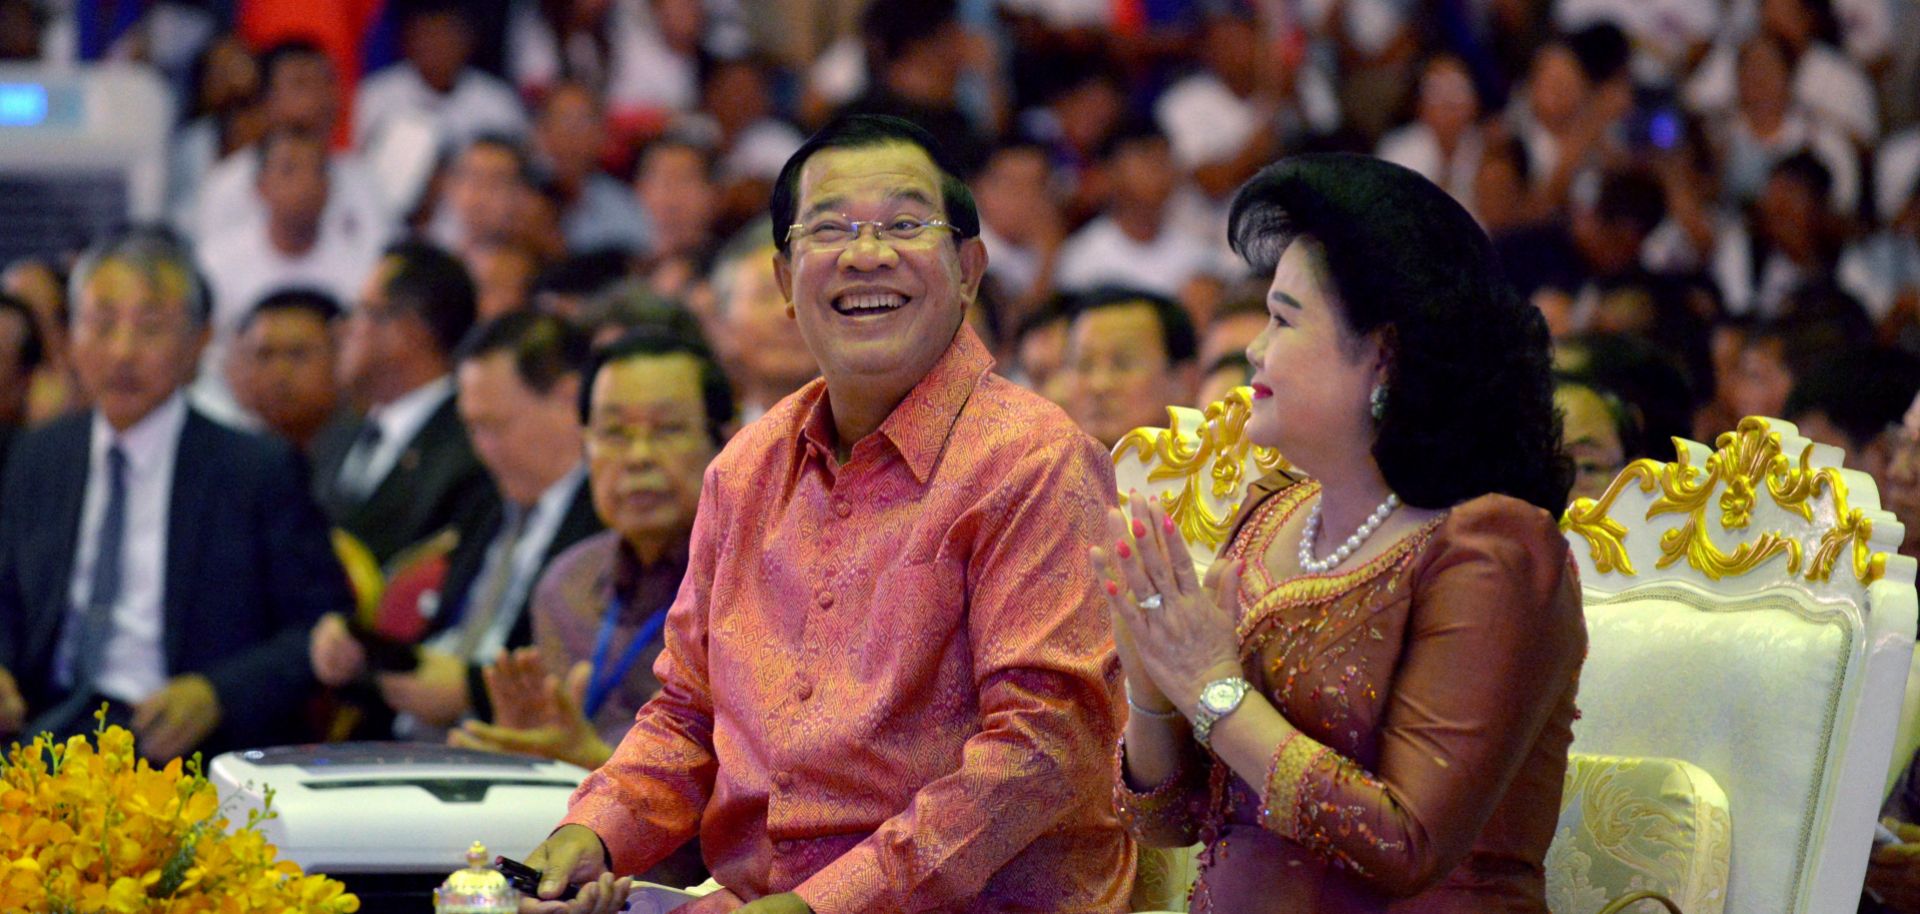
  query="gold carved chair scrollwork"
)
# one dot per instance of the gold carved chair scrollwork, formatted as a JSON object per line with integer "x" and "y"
{"x": 1747, "y": 613}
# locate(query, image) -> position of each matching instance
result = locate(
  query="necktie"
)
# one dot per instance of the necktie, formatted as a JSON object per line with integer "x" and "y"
{"x": 492, "y": 589}
{"x": 87, "y": 645}
{"x": 356, "y": 472}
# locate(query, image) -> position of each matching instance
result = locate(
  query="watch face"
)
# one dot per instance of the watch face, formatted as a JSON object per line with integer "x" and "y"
{"x": 1218, "y": 696}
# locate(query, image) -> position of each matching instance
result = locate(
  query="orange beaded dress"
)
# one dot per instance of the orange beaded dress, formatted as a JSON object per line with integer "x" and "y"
{"x": 1433, "y": 688}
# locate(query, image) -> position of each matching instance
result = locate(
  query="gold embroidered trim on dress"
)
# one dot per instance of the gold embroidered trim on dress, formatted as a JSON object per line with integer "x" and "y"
{"x": 1280, "y": 802}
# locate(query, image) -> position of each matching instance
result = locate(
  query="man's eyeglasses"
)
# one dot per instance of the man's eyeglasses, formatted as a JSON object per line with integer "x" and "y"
{"x": 833, "y": 232}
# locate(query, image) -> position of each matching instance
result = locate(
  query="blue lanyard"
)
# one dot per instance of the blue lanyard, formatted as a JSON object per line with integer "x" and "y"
{"x": 601, "y": 682}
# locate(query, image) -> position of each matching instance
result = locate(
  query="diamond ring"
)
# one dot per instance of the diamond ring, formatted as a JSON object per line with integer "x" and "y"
{"x": 1149, "y": 603}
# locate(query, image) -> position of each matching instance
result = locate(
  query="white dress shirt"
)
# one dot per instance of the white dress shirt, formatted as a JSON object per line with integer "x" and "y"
{"x": 479, "y": 104}
{"x": 541, "y": 526}
{"x": 133, "y": 664}
{"x": 399, "y": 422}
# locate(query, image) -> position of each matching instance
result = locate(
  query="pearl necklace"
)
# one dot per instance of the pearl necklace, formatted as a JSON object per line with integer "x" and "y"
{"x": 1312, "y": 532}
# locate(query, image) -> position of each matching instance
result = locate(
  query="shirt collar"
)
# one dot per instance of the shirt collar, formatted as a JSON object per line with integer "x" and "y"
{"x": 403, "y": 417}
{"x": 920, "y": 426}
{"x": 147, "y": 440}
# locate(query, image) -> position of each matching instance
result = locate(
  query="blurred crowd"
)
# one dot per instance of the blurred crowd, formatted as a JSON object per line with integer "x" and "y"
{"x": 1716, "y": 204}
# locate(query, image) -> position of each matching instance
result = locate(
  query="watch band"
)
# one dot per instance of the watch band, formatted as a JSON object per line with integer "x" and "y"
{"x": 1218, "y": 699}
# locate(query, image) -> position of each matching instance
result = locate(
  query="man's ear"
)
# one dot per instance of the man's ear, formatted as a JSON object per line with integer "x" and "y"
{"x": 973, "y": 267}
{"x": 783, "y": 277}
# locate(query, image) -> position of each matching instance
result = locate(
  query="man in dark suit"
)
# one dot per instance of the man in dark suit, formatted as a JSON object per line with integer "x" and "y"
{"x": 149, "y": 557}
{"x": 519, "y": 383}
{"x": 405, "y": 470}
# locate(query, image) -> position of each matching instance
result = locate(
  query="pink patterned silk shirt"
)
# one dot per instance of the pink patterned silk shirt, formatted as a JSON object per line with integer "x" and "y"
{"x": 888, "y": 684}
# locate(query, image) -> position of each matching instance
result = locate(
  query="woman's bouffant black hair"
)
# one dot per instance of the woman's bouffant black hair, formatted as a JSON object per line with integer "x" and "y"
{"x": 1469, "y": 386}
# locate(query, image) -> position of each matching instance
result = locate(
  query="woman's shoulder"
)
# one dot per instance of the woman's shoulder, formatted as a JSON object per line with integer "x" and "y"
{"x": 1505, "y": 543}
{"x": 1505, "y": 517}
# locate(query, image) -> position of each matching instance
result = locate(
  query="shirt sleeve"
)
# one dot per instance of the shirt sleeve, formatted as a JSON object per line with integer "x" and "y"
{"x": 1048, "y": 683}
{"x": 1498, "y": 599}
{"x": 647, "y": 799}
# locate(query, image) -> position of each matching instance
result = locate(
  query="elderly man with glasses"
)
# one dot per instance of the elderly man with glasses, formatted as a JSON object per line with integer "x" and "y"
{"x": 886, "y": 683}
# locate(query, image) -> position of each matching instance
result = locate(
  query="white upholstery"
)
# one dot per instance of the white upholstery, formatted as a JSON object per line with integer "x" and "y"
{"x": 1630, "y": 824}
{"x": 1739, "y": 620}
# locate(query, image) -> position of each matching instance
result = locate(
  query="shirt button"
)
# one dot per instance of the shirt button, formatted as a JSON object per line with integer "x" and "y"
{"x": 782, "y": 780}
{"x": 825, "y": 598}
{"x": 803, "y": 689}
{"x": 842, "y": 508}
{"x": 783, "y": 846}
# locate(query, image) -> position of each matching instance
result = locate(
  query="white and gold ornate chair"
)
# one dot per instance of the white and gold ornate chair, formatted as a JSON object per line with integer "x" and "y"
{"x": 1746, "y": 612}
{"x": 1199, "y": 465}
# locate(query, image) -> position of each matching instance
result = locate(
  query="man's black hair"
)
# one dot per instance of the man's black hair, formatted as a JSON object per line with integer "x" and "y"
{"x": 716, "y": 393}
{"x": 865, "y": 131}
{"x": 545, "y": 348}
{"x": 434, "y": 286}
{"x": 1177, "y": 335}
{"x": 322, "y": 305}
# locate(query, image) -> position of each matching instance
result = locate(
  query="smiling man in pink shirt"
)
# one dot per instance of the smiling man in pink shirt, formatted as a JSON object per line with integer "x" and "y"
{"x": 887, "y": 684}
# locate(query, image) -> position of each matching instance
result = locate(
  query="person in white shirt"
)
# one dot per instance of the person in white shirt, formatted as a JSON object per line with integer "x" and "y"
{"x": 1768, "y": 125}
{"x": 598, "y": 210}
{"x": 434, "y": 83}
{"x": 294, "y": 247}
{"x": 1443, "y": 144}
{"x": 301, "y": 92}
{"x": 151, "y": 559}
{"x": 1134, "y": 242}
{"x": 488, "y": 194}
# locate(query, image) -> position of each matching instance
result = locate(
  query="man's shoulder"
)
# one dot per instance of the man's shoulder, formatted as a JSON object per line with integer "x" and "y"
{"x": 231, "y": 448}
{"x": 590, "y": 556}
{"x": 56, "y": 439}
{"x": 773, "y": 436}
{"x": 1007, "y": 423}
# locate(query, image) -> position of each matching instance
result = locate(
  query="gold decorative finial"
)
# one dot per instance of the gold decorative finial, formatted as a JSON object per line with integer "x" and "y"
{"x": 478, "y": 889}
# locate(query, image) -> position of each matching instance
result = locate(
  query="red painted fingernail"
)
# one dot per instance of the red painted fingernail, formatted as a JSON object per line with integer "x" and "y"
{"x": 1166, "y": 523}
{"x": 1125, "y": 551}
{"x": 1139, "y": 529}
{"x": 1113, "y": 590}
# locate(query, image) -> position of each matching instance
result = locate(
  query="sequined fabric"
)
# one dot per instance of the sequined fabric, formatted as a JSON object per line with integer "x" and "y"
{"x": 1433, "y": 690}
{"x": 888, "y": 684}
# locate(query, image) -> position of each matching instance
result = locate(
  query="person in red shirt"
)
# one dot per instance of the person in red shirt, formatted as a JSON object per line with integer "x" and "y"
{"x": 886, "y": 684}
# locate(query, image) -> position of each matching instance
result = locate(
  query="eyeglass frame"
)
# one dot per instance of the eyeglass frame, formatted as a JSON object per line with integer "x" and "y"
{"x": 857, "y": 226}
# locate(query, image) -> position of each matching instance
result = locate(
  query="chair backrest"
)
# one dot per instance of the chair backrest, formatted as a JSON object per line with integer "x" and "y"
{"x": 1200, "y": 465}
{"x": 1746, "y": 612}
{"x": 1630, "y": 824}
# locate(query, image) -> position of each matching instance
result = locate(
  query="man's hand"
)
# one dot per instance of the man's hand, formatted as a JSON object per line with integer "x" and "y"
{"x": 13, "y": 708}
{"x": 1893, "y": 872}
{"x": 177, "y": 718}
{"x": 435, "y": 692}
{"x": 536, "y": 715}
{"x": 337, "y": 655}
{"x": 573, "y": 855}
{"x": 787, "y": 903}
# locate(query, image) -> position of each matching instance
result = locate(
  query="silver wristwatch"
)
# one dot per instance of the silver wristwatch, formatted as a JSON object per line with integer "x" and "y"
{"x": 1218, "y": 699}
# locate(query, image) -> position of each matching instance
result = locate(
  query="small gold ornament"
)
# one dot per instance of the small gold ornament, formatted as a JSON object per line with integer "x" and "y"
{"x": 478, "y": 889}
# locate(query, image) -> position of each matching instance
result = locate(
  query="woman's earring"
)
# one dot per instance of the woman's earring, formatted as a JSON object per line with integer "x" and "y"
{"x": 1378, "y": 401}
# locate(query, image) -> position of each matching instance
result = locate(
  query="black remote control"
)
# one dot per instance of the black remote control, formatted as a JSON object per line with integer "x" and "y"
{"x": 526, "y": 879}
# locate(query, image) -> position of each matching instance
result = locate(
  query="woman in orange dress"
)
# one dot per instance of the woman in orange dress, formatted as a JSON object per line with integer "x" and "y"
{"x": 1367, "y": 705}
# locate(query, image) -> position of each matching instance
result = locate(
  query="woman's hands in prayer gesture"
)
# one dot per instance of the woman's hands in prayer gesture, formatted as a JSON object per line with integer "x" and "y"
{"x": 1170, "y": 652}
